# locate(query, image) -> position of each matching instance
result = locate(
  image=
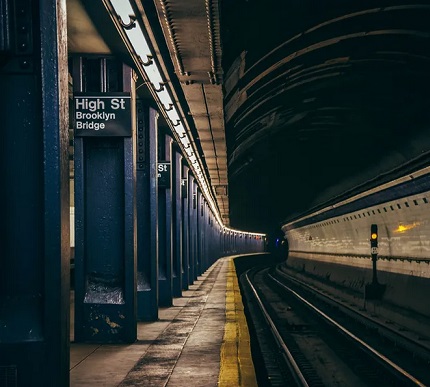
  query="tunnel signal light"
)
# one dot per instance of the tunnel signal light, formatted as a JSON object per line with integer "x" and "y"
{"x": 374, "y": 235}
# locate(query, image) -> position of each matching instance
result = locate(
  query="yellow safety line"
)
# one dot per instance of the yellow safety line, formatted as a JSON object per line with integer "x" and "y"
{"x": 236, "y": 368}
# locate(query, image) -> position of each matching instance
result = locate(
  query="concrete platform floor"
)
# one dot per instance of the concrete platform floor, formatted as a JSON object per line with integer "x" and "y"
{"x": 190, "y": 345}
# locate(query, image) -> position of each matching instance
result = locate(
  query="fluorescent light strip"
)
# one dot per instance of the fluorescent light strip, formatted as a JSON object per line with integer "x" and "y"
{"x": 122, "y": 8}
{"x": 173, "y": 115}
{"x": 185, "y": 141}
{"x": 139, "y": 43}
{"x": 165, "y": 99}
{"x": 140, "y": 46}
{"x": 181, "y": 132}
{"x": 154, "y": 75}
{"x": 243, "y": 232}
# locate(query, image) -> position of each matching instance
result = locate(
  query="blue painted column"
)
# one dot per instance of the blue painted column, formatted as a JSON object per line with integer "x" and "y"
{"x": 241, "y": 247}
{"x": 165, "y": 280}
{"x": 211, "y": 246}
{"x": 224, "y": 242}
{"x": 208, "y": 240}
{"x": 204, "y": 236}
{"x": 235, "y": 236}
{"x": 212, "y": 239}
{"x": 185, "y": 228}
{"x": 199, "y": 229}
{"x": 105, "y": 255}
{"x": 177, "y": 268}
{"x": 217, "y": 240}
{"x": 192, "y": 211}
{"x": 147, "y": 213}
{"x": 34, "y": 193}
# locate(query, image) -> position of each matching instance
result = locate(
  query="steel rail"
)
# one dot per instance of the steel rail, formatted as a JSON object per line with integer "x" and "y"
{"x": 294, "y": 368}
{"x": 363, "y": 344}
{"x": 390, "y": 333}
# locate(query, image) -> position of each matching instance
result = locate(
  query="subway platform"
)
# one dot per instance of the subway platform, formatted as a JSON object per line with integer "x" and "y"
{"x": 202, "y": 340}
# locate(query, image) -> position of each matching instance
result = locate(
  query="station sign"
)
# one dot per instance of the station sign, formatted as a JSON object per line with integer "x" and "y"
{"x": 184, "y": 187}
{"x": 163, "y": 173}
{"x": 102, "y": 114}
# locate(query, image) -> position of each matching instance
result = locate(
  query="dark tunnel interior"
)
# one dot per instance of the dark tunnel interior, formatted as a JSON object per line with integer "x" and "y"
{"x": 322, "y": 99}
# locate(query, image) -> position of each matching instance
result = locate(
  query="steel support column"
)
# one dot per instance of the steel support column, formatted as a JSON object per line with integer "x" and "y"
{"x": 192, "y": 211}
{"x": 199, "y": 232}
{"x": 147, "y": 214}
{"x": 207, "y": 237}
{"x": 203, "y": 236}
{"x": 210, "y": 241}
{"x": 177, "y": 222}
{"x": 34, "y": 226}
{"x": 165, "y": 281}
{"x": 105, "y": 255}
{"x": 185, "y": 228}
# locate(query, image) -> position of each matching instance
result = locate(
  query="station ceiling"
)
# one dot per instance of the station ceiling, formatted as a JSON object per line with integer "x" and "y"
{"x": 297, "y": 102}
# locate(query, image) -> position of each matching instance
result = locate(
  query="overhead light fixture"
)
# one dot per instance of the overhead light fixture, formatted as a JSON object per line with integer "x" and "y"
{"x": 190, "y": 153}
{"x": 179, "y": 129}
{"x": 140, "y": 45}
{"x": 125, "y": 16}
{"x": 122, "y": 8}
{"x": 185, "y": 141}
{"x": 174, "y": 117}
{"x": 164, "y": 97}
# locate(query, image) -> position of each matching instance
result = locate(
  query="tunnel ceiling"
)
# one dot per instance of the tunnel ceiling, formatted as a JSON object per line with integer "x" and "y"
{"x": 320, "y": 98}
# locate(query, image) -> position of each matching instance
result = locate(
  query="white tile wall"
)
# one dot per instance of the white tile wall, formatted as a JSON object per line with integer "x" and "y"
{"x": 404, "y": 233}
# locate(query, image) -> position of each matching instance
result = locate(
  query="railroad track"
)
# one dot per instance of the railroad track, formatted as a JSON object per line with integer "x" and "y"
{"x": 310, "y": 339}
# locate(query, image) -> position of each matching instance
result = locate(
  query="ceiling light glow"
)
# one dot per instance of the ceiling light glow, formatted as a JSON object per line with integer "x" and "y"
{"x": 173, "y": 115}
{"x": 138, "y": 41}
{"x": 125, "y": 17}
{"x": 123, "y": 9}
{"x": 164, "y": 96}
{"x": 154, "y": 76}
{"x": 185, "y": 141}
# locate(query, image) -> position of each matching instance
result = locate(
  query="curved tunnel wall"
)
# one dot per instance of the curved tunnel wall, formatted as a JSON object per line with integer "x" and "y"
{"x": 334, "y": 243}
